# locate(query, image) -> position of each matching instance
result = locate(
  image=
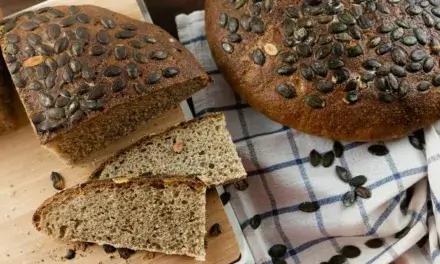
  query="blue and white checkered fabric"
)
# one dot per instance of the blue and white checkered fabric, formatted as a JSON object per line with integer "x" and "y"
{"x": 280, "y": 178}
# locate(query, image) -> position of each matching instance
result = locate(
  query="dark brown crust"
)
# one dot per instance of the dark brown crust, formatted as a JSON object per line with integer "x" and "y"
{"x": 96, "y": 173}
{"x": 367, "y": 120}
{"x": 91, "y": 185}
{"x": 178, "y": 57}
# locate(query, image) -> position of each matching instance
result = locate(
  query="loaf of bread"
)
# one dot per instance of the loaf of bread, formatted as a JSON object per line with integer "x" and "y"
{"x": 87, "y": 75}
{"x": 350, "y": 70}
{"x": 7, "y": 122}
{"x": 200, "y": 148}
{"x": 157, "y": 215}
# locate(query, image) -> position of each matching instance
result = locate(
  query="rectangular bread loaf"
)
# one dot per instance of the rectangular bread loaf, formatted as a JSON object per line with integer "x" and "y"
{"x": 201, "y": 148}
{"x": 157, "y": 215}
{"x": 87, "y": 76}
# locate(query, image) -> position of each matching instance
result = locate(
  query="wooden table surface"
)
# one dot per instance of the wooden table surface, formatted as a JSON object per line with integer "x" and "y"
{"x": 25, "y": 168}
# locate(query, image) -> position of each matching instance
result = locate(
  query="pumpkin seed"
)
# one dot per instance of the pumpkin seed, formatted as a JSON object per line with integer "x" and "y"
{"x": 415, "y": 142}
{"x": 72, "y": 108}
{"x": 82, "y": 33}
{"x": 67, "y": 22}
{"x": 363, "y": 192}
{"x": 13, "y": 38}
{"x": 323, "y": 51}
{"x": 402, "y": 23}
{"x": 354, "y": 32}
{"x": 159, "y": 55}
{"x": 239, "y": 4}
{"x": 108, "y": 22}
{"x": 112, "y": 71}
{"x": 404, "y": 87}
{"x": 287, "y": 69}
{"x": 73, "y": 9}
{"x": 267, "y": 5}
{"x": 337, "y": 27}
{"x": 139, "y": 57}
{"x": 375, "y": 243}
{"x": 170, "y": 72}
{"x": 343, "y": 174}
{"x": 136, "y": 44}
{"x": 38, "y": 118}
{"x": 245, "y": 22}
{"x": 418, "y": 55}
{"x": 235, "y": 38}
{"x": 414, "y": 67}
{"x": 51, "y": 63}
{"x": 385, "y": 27}
{"x": 428, "y": 64}
{"x": 291, "y": 12}
{"x": 35, "y": 85}
{"x": 286, "y": 90}
{"x": 351, "y": 251}
{"x": 103, "y": 37}
{"x": 233, "y": 25}
{"x": 225, "y": 197}
{"x": 257, "y": 25}
{"x": 344, "y": 37}
{"x": 306, "y": 71}
{"x": 386, "y": 96}
{"x": 364, "y": 22}
{"x": 381, "y": 84}
{"x": 255, "y": 221}
{"x": 347, "y": 18}
{"x": 41, "y": 71}
{"x": 399, "y": 56}
{"x": 46, "y": 99}
{"x": 63, "y": 59}
{"x": 67, "y": 75}
{"x": 378, "y": 150}
{"x": 83, "y": 89}
{"x": 57, "y": 180}
{"x": 428, "y": 19}
{"x": 128, "y": 26}
{"x": 384, "y": 48}
{"x": 55, "y": 13}
{"x": 12, "y": 48}
{"x": 119, "y": 85}
{"x": 9, "y": 58}
{"x": 62, "y": 101}
{"x": 374, "y": 42}
{"x": 97, "y": 50}
{"x": 256, "y": 9}
{"x": 125, "y": 253}
{"x": 421, "y": 35}
{"x": 338, "y": 149}
{"x": 96, "y": 92}
{"x": 227, "y": 47}
{"x": 354, "y": 51}
{"x": 324, "y": 86}
{"x": 14, "y": 67}
{"x": 121, "y": 52}
{"x": 90, "y": 105}
{"x": 324, "y": 39}
{"x": 215, "y": 230}
{"x": 83, "y": 18}
{"x": 338, "y": 49}
{"x": 327, "y": 159}
{"x": 223, "y": 19}
{"x": 241, "y": 185}
{"x": 308, "y": 207}
{"x": 18, "y": 81}
{"x": 61, "y": 45}
{"x": 55, "y": 113}
{"x": 53, "y": 31}
{"x": 358, "y": 181}
{"x": 277, "y": 251}
{"x": 43, "y": 49}
{"x": 88, "y": 73}
{"x": 335, "y": 63}
{"x": 324, "y": 19}
{"x": 78, "y": 48}
{"x": 349, "y": 199}
{"x": 8, "y": 27}
{"x": 319, "y": 68}
{"x": 300, "y": 34}
{"x": 29, "y": 26}
{"x": 409, "y": 40}
{"x": 154, "y": 78}
{"x": 315, "y": 158}
{"x": 315, "y": 101}
{"x": 50, "y": 80}
{"x": 436, "y": 80}
{"x": 397, "y": 33}
{"x": 414, "y": 10}
{"x": 393, "y": 83}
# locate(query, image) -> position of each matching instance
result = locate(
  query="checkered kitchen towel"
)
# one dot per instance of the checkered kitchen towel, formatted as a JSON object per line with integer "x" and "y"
{"x": 281, "y": 177}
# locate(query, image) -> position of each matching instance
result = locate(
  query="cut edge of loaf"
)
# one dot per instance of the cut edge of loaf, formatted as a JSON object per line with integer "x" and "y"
{"x": 218, "y": 116}
{"x": 98, "y": 132}
{"x": 171, "y": 180}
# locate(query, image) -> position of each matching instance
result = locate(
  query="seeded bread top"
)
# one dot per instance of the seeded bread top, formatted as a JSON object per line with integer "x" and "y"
{"x": 352, "y": 70}
{"x": 70, "y": 64}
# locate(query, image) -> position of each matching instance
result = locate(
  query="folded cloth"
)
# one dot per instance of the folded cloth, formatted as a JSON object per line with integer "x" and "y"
{"x": 398, "y": 222}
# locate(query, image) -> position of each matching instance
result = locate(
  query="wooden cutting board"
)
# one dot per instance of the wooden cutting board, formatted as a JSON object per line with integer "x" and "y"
{"x": 25, "y": 168}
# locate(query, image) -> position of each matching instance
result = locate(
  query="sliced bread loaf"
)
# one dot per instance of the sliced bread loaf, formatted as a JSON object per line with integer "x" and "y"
{"x": 201, "y": 147}
{"x": 158, "y": 215}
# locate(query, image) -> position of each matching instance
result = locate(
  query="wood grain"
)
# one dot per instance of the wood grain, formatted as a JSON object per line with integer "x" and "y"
{"x": 25, "y": 168}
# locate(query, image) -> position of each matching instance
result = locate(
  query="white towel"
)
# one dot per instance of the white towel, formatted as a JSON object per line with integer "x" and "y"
{"x": 281, "y": 177}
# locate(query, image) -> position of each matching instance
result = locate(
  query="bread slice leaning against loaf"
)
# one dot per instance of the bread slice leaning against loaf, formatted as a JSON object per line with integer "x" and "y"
{"x": 157, "y": 215}
{"x": 201, "y": 147}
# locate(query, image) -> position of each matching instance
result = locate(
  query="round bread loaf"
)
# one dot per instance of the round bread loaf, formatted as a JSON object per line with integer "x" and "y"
{"x": 349, "y": 70}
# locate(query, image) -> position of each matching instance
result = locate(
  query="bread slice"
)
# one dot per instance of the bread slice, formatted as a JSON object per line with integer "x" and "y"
{"x": 158, "y": 215}
{"x": 200, "y": 147}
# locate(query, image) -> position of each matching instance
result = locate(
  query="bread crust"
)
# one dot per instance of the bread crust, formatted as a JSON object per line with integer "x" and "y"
{"x": 369, "y": 119}
{"x": 126, "y": 182}
{"x": 178, "y": 57}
